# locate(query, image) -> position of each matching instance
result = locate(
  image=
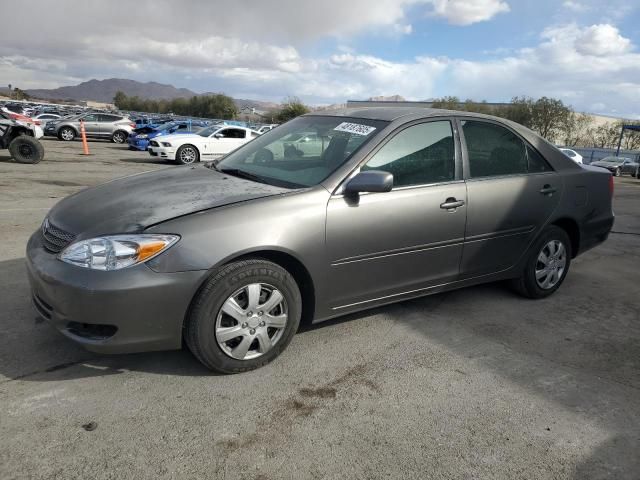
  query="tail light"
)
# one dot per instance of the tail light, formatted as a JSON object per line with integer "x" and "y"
{"x": 132, "y": 125}
{"x": 611, "y": 186}
{"x": 37, "y": 122}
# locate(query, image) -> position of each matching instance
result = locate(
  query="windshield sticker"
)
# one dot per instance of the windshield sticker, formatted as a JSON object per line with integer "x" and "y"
{"x": 355, "y": 128}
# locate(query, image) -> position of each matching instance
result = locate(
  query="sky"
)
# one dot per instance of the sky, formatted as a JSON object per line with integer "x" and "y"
{"x": 584, "y": 52}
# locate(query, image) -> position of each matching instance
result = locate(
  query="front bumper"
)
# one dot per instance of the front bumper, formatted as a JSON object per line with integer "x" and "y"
{"x": 168, "y": 153}
{"x": 138, "y": 144}
{"x": 130, "y": 310}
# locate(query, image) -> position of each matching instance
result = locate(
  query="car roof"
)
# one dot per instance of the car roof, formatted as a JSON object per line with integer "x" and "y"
{"x": 390, "y": 114}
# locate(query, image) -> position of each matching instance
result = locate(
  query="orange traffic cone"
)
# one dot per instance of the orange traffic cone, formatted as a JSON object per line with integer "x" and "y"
{"x": 83, "y": 134}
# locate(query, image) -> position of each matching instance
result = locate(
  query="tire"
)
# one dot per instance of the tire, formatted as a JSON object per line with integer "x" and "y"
{"x": 187, "y": 154}
{"x": 207, "y": 321}
{"x": 119, "y": 137}
{"x": 618, "y": 172}
{"x": 26, "y": 149}
{"x": 67, "y": 134}
{"x": 531, "y": 287}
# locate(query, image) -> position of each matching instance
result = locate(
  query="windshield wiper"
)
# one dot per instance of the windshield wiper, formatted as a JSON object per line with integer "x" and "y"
{"x": 242, "y": 174}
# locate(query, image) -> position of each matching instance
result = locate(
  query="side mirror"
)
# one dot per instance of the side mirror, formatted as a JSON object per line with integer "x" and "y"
{"x": 218, "y": 135}
{"x": 370, "y": 181}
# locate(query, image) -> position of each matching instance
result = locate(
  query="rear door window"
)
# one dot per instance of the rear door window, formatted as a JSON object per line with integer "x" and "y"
{"x": 493, "y": 150}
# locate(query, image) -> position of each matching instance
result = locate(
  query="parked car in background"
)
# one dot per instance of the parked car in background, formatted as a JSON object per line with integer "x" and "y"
{"x": 572, "y": 154}
{"x": 44, "y": 118}
{"x": 618, "y": 165}
{"x": 97, "y": 125}
{"x": 140, "y": 137}
{"x": 207, "y": 144}
{"x": 228, "y": 257}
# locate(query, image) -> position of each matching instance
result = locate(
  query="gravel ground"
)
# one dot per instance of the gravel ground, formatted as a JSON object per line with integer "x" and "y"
{"x": 477, "y": 383}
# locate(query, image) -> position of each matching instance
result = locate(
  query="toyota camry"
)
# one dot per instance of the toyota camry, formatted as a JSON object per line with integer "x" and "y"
{"x": 394, "y": 203}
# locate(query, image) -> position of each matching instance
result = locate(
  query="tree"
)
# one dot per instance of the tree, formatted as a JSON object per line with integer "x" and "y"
{"x": 292, "y": 107}
{"x": 211, "y": 106}
{"x": 605, "y": 135}
{"x": 120, "y": 100}
{"x": 447, "y": 103}
{"x": 548, "y": 116}
{"x": 520, "y": 110}
{"x": 575, "y": 131}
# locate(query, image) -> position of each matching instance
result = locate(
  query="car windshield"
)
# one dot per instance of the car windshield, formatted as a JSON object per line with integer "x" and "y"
{"x": 302, "y": 152}
{"x": 612, "y": 159}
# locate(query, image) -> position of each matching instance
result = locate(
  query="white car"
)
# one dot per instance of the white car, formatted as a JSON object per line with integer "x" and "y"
{"x": 206, "y": 144}
{"x": 43, "y": 118}
{"x": 266, "y": 128}
{"x": 572, "y": 154}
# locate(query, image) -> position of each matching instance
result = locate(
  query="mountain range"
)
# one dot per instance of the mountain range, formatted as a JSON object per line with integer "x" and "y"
{"x": 105, "y": 90}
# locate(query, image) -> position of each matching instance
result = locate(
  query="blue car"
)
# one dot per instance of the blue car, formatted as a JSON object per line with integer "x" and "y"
{"x": 140, "y": 137}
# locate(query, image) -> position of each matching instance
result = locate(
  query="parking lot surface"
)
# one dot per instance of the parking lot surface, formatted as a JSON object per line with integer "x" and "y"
{"x": 476, "y": 383}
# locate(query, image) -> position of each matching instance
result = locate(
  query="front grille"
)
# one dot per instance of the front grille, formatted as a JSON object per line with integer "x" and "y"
{"x": 55, "y": 239}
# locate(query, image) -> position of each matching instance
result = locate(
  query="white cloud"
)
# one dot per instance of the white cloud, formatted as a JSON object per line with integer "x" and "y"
{"x": 466, "y": 12}
{"x": 262, "y": 51}
{"x": 601, "y": 40}
{"x": 575, "y": 6}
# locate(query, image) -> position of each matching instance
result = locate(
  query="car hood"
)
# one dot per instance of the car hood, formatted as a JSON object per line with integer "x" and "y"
{"x": 180, "y": 136}
{"x": 606, "y": 164}
{"x": 131, "y": 204}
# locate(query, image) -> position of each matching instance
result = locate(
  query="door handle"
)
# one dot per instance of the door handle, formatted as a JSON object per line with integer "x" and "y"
{"x": 548, "y": 190}
{"x": 451, "y": 204}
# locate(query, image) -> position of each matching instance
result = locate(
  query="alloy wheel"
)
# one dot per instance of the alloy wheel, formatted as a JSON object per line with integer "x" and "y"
{"x": 552, "y": 261}
{"x": 251, "y": 321}
{"x": 67, "y": 134}
{"x": 188, "y": 155}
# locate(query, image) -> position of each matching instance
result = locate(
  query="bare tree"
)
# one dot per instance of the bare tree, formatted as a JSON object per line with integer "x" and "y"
{"x": 575, "y": 131}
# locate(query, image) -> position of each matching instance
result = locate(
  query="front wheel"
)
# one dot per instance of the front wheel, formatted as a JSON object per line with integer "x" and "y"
{"x": 119, "y": 137}
{"x": 187, "y": 154}
{"x": 26, "y": 149}
{"x": 244, "y": 316}
{"x": 67, "y": 134}
{"x": 547, "y": 265}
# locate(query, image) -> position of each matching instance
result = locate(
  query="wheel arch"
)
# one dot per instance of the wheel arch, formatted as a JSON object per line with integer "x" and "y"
{"x": 285, "y": 260}
{"x": 570, "y": 226}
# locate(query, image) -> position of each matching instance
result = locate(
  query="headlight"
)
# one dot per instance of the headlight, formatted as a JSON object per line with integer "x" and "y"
{"x": 144, "y": 135}
{"x": 165, "y": 144}
{"x": 116, "y": 251}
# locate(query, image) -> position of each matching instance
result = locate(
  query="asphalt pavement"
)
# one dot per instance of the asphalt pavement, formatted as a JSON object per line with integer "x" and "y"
{"x": 476, "y": 383}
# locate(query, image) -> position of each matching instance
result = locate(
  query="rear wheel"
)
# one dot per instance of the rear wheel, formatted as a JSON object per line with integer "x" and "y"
{"x": 187, "y": 154}
{"x": 547, "y": 265}
{"x": 26, "y": 149}
{"x": 244, "y": 316}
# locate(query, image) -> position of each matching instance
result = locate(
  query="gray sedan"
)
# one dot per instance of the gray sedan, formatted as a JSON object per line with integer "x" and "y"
{"x": 230, "y": 257}
{"x": 619, "y": 166}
